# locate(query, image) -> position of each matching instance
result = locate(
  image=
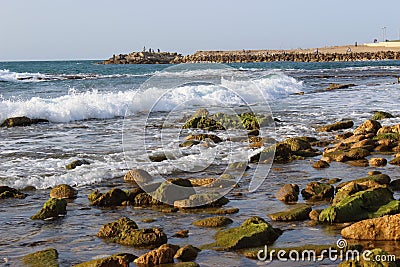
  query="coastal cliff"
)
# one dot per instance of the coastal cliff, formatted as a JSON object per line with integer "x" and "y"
{"x": 360, "y": 53}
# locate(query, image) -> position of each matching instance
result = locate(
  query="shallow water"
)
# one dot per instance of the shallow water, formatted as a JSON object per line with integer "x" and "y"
{"x": 86, "y": 121}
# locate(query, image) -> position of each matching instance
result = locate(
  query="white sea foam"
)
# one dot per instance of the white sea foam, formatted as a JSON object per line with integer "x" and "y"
{"x": 104, "y": 105}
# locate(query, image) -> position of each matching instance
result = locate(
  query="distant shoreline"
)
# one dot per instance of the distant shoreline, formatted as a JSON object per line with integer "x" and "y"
{"x": 323, "y": 54}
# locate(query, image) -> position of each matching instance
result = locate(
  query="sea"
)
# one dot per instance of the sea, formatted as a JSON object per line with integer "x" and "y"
{"x": 114, "y": 116}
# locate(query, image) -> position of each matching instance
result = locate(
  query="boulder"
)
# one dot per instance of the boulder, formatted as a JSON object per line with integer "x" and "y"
{"x": 318, "y": 191}
{"x": 114, "y": 197}
{"x": 162, "y": 255}
{"x": 335, "y": 86}
{"x": 314, "y": 215}
{"x": 336, "y": 126}
{"x": 8, "y": 192}
{"x": 367, "y": 144}
{"x": 138, "y": 176}
{"x": 369, "y": 126}
{"x": 288, "y": 193}
{"x": 298, "y": 212}
{"x": 144, "y": 199}
{"x": 52, "y": 209}
{"x": 63, "y": 191}
{"x": 182, "y": 234}
{"x": 173, "y": 189}
{"x": 377, "y": 162}
{"x": 205, "y": 200}
{"x": 43, "y": 258}
{"x": 320, "y": 164}
{"x": 254, "y": 232}
{"x": 395, "y": 185}
{"x": 380, "y": 115}
{"x": 202, "y": 137}
{"x": 370, "y": 203}
{"x": 383, "y": 228}
{"x": 117, "y": 260}
{"x": 187, "y": 253}
{"x": 218, "y": 221}
{"x": 21, "y": 121}
{"x": 76, "y": 163}
{"x": 124, "y": 231}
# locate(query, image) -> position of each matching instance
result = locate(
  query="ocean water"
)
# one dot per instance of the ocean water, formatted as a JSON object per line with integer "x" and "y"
{"x": 111, "y": 115}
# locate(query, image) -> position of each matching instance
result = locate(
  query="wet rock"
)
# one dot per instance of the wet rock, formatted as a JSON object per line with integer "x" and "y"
{"x": 238, "y": 166}
{"x": 380, "y": 115}
{"x": 369, "y": 260}
{"x": 157, "y": 157}
{"x": 288, "y": 193}
{"x": 9, "y": 192}
{"x": 320, "y": 164}
{"x": 52, "y": 209}
{"x": 254, "y": 132}
{"x": 335, "y": 86}
{"x": 318, "y": 191}
{"x": 314, "y": 215}
{"x": 187, "y": 253}
{"x": 369, "y": 181}
{"x": 189, "y": 143}
{"x": 395, "y": 185}
{"x": 395, "y": 161}
{"x": 371, "y": 203}
{"x": 173, "y": 189}
{"x": 357, "y": 153}
{"x": 369, "y": 126}
{"x": 138, "y": 176}
{"x": 367, "y": 144}
{"x": 43, "y": 258}
{"x": 202, "y": 200}
{"x": 223, "y": 211}
{"x": 254, "y": 232}
{"x": 202, "y": 137}
{"x": 124, "y": 231}
{"x": 336, "y": 126}
{"x": 144, "y": 199}
{"x": 117, "y": 260}
{"x": 21, "y": 121}
{"x": 218, "y": 221}
{"x": 77, "y": 163}
{"x": 298, "y": 212}
{"x": 383, "y": 228}
{"x": 114, "y": 197}
{"x": 63, "y": 191}
{"x": 162, "y": 255}
{"x": 377, "y": 162}
{"x": 358, "y": 163}
{"x": 374, "y": 173}
{"x": 182, "y": 234}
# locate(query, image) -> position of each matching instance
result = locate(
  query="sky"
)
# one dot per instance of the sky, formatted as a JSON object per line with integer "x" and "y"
{"x": 97, "y": 29}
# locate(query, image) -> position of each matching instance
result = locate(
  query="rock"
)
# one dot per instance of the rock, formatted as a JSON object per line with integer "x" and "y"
{"x": 358, "y": 163}
{"x": 288, "y": 193}
{"x": 380, "y": 115}
{"x": 314, "y": 215}
{"x": 369, "y": 260}
{"x": 162, "y": 255}
{"x": 374, "y": 173}
{"x": 255, "y": 132}
{"x": 335, "y": 86}
{"x": 138, "y": 176}
{"x": 395, "y": 185}
{"x": 63, "y": 191}
{"x": 371, "y": 203}
{"x": 117, "y": 260}
{"x": 144, "y": 199}
{"x": 298, "y": 212}
{"x": 77, "y": 163}
{"x": 157, "y": 157}
{"x": 52, "y": 209}
{"x": 182, "y": 234}
{"x": 114, "y": 197}
{"x": 172, "y": 190}
{"x": 382, "y": 228}
{"x": 189, "y": 143}
{"x": 369, "y": 126}
{"x": 202, "y": 137}
{"x": 124, "y": 231}
{"x": 395, "y": 161}
{"x": 336, "y": 126}
{"x": 377, "y": 162}
{"x": 367, "y": 144}
{"x": 380, "y": 179}
{"x": 239, "y": 166}
{"x": 43, "y": 258}
{"x": 9, "y": 192}
{"x": 254, "y": 232}
{"x": 202, "y": 200}
{"x": 223, "y": 211}
{"x": 218, "y": 221}
{"x": 320, "y": 164}
{"x": 357, "y": 153}
{"x": 318, "y": 191}
{"x": 21, "y": 121}
{"x": 187, "y": 253}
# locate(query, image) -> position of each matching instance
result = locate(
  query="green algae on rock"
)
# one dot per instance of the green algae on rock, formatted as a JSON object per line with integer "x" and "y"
{"x": 202, "y": 200}
{"x": 380, "y": 115}
{"x": 298, "y": 212}
{"x": 117, "y": 260}
{"x": 77, "y": 163}
{"x": 124, "y": 231}
{"x": 43, "y": 258}
{"x": 9, "y": 192}
{"x": 218, "y": 221}
{"x": 318, "y": 191}
{"x": 52, "y": 209}
{"x": 336, "y": 126}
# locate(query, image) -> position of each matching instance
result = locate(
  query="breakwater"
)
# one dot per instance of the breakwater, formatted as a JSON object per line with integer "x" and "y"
{"x": 249, "y": 56}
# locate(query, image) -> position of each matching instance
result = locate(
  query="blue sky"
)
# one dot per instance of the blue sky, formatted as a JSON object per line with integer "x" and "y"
{"x": 96, "y": 29}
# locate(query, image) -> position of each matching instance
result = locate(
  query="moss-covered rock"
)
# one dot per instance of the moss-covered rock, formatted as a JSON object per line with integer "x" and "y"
{"x": 395, "y": 161}
{"x": 380, "y": 115}
{"x": 117, "y": 260}
{"x": 336, "y": 126}
{"x": 370, "y": 261}
{"x": 9, "y": 192}
{"x": 124, "y": 231}
{"x": 187, "y": 253}
{"x": 52, "y": 209}
{"x": 77, "y": 163}
{"x": 21, "y": 121}
{"x": 381, "y": 179}
{"x": 114, "y": 197}
{"x": 202, "y": 200}
{"x": 43, "y": 258}
{"x": 298, "y": 212}
{"x": 218, "y": 221}
{"x": 365, "y": 204}
{"x": 63, "y": 191}
{"x": 254, "y": 232}
{"x": 318, "y": 191}
{"x": 387, "y": 136}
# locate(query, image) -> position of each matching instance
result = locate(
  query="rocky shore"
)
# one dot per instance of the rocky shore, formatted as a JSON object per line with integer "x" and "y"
{"x": 351, "y": 53}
